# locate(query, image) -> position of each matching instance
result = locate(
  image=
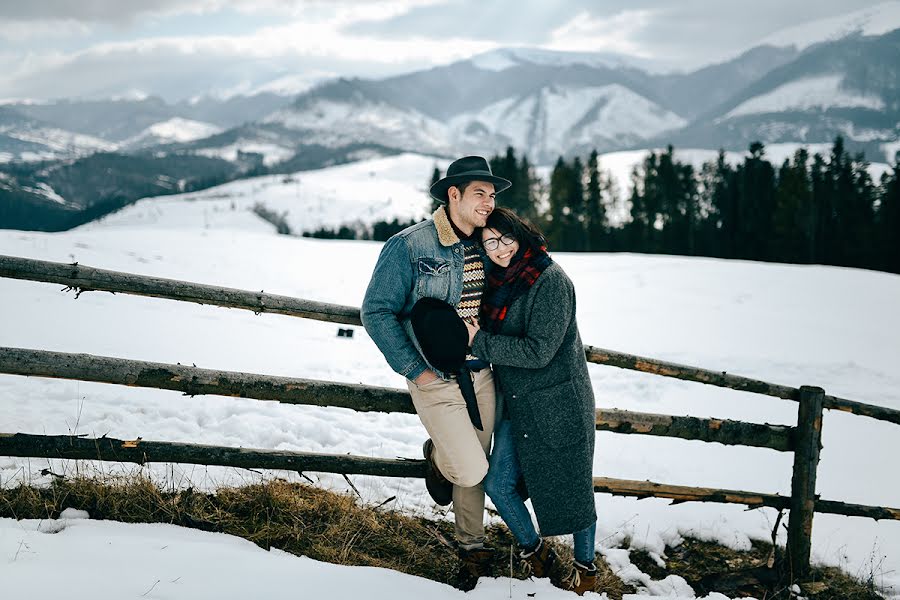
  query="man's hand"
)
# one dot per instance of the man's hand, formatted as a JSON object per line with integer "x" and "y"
{"x": 426, "y": 376}
{"x": 472, "y": 326}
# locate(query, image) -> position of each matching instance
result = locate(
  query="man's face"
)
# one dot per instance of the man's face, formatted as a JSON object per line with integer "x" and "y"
{"x": 471, "y": 209}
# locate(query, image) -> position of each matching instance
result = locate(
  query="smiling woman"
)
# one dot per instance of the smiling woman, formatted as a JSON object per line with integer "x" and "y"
{"x": 545, "y": 435}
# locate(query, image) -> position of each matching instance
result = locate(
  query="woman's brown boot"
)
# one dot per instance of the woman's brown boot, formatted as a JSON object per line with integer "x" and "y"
{"x": 538, "y": 562}
{"x": 582, "y": 578}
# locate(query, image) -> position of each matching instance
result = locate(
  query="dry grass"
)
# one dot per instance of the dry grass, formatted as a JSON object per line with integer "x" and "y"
{"x": 709, "y": 567}
{"x": 323, "y": 525}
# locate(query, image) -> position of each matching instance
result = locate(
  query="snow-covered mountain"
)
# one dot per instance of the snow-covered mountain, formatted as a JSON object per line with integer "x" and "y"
{"x": 561, "y": 103}
{"x": 554, "y": 121}
{"x": 126, "y": 123}
{"x": 345, "y": 115}
{"x": 847, "y": 87}
{"x": 873, "y": 20}
{"x": 26, "y": 139}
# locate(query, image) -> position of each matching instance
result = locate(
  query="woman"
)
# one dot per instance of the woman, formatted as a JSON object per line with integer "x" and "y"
{"x": 528, "y": 332}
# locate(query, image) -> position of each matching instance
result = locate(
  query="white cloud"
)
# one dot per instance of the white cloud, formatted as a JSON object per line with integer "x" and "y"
{"x": 315, "y": 37}
{"x": 18, "y": 32}
{"x": 223, "y": 63}
{"x": 128, "y": 11}
{"x": 618, "y": 33}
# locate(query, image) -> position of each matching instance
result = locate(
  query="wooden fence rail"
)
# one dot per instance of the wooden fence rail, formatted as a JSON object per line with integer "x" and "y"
{"x": 194, "y": 381}
{"x": 142, "y": 451}
{"x": 83, "y": 278}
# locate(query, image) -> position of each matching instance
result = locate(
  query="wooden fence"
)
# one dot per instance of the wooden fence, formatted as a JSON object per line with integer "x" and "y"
{"x": 804, "y": 440}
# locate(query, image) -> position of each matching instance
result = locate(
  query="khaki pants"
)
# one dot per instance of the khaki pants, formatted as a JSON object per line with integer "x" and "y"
{"x": 460, "y": 450}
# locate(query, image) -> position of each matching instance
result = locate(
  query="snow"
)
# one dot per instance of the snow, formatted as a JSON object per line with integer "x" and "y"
{"x": 292, "y": 85}
{"x": 890, "y": 151}
{"x": 548, "y": 122}
{"x": 551, "y": 121}
{"x": 58, "y": 142}
{"x": 873, "y": 20}
{"x": 272, "y": 153}
{"x": 46, "y": 191}
{"x": 806, "y": 94}
{"x": 501, "y": 59}
{"x": 366, "y": 191}
{"x": 176, "y": 129}
{"x": 788, "y": 324}
{"x": 335, "y": 123}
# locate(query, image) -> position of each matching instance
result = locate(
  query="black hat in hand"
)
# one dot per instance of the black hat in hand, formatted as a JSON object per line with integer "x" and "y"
{"x": 444, "y": 340}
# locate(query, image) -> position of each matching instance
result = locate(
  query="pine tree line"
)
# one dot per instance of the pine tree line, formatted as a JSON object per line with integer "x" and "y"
{"x": 819, "y": 209}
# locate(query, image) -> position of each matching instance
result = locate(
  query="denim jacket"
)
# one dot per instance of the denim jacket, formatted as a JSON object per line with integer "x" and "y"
{"x": 425, "y": 260}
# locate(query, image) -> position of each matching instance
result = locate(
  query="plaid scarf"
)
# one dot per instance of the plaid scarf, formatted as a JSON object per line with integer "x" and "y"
{"x": 505, "y": 285}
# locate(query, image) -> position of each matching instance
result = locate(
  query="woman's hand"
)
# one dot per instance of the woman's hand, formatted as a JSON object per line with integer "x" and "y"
{"x": 472, "y": 326}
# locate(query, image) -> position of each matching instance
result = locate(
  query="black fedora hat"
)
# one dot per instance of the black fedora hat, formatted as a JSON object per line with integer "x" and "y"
{"x": 467, "y": 168}
{"x": 444, "y": 340}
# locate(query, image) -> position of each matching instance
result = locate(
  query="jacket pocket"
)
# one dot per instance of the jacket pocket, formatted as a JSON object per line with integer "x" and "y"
{"x": 557, "y": 415}
{"x": 433, "y": 277}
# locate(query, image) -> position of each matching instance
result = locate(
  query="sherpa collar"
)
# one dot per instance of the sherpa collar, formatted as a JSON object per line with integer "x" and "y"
{"x": 444, "y": 229}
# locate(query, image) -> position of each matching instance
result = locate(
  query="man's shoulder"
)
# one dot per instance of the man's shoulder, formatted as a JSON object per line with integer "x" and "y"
{"x": 422, "y": 228}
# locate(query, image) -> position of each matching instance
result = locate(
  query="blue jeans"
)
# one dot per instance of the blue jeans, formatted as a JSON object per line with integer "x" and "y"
{"x": 500, "y": 485}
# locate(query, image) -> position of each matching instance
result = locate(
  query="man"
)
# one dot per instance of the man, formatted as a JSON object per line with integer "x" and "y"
{"x": 440, "y": 258}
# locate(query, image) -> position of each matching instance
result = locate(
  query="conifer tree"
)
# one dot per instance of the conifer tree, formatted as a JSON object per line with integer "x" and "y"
{"x": 755, "y": 180}
{"x": 793, "y": 224}
{"x": 720, "y": 204}
{"x": 525, "y": 194}
{"x": 889, "y": 219}
{"x": 558, "y": 219}
{"x": 822, "y": 192}
{"x": 595, "y": 212}
{"x": 435, "y": 177}
{"x": 577, "y": 231}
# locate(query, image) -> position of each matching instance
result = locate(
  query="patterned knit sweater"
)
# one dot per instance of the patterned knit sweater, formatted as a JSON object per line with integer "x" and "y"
{"x": 473, "y": 279}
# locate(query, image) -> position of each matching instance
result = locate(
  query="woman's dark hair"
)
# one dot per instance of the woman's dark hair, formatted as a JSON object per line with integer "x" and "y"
{"x": 507, "y": 222}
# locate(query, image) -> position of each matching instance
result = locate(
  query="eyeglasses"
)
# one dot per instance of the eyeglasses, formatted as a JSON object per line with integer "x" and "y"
{"x": 494, "y": 243}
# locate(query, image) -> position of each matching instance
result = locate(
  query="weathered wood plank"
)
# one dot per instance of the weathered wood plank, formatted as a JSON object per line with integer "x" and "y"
{"x": 680, "y": 493}
{"x": 194, "y": 381}
{"x": 695, "y": 374}
{"x": 729, "y": 381}
{"x": 857, "y": 510}
{"x": 142, "y": 451}
{"x": 723, "y": 431}
{"x": 83, "y": 279}
{"x": 803, "y": 482}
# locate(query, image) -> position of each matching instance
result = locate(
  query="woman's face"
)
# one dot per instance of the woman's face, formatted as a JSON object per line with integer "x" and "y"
{"x": 500, "y": 247}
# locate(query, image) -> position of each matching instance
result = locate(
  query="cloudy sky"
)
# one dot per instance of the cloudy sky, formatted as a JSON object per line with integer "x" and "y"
{"x": 184, "y": 48}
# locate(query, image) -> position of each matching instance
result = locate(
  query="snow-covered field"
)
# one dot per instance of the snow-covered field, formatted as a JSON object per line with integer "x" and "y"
{"x": 359, "y": 192}
{"x": 832, "y": 327}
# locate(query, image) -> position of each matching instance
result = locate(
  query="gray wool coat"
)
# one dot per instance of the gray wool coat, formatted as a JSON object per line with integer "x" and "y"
{"x": 539, "y": 365}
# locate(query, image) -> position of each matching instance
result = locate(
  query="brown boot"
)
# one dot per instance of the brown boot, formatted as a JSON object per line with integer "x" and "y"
{"x": 440, "y": 490}
{"x": 582, "y": 578}
{"x": 538, "y": 562}
{"x": 474, "y": 563}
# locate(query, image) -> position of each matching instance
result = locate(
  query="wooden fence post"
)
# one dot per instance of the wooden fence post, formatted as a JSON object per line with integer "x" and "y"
{"x": 807, "y": 445}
